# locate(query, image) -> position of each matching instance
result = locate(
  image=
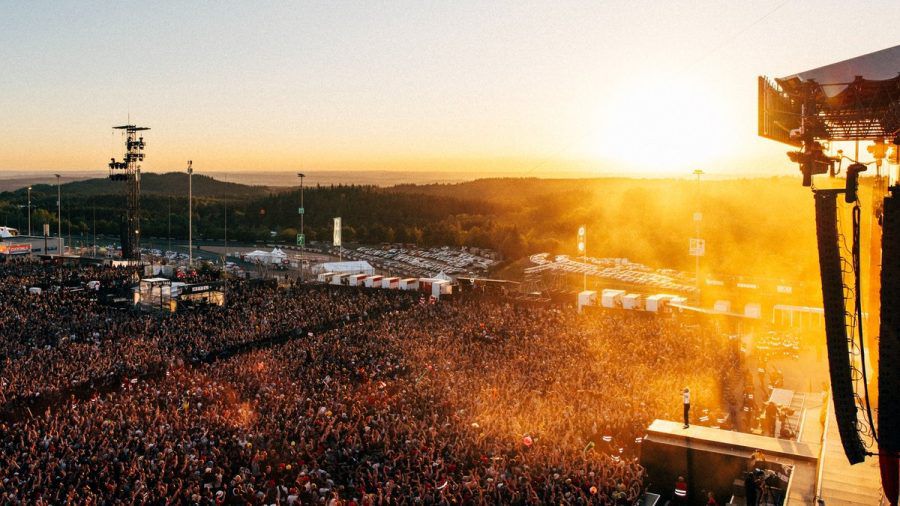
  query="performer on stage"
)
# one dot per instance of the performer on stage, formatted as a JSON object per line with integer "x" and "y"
{"x": 686, "y": 394}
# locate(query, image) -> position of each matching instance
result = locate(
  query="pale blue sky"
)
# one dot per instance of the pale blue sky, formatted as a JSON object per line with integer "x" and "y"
{"x": 520, "y": 86}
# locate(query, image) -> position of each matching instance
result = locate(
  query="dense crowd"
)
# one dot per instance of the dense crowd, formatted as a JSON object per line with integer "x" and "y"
{"x": 463, "y": 402}
{"x": 62, "y": 337}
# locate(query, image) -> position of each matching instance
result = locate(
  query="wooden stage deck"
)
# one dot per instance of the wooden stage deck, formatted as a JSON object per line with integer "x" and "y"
{"x": 736, "y": 442}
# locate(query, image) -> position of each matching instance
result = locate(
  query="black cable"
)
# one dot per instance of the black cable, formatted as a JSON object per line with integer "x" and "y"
{"x": 859, "y": 316}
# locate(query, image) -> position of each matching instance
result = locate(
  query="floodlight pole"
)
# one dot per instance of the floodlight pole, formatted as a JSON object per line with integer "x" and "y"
{"x": 29, "y": 211}
{"x": 584, "y": 260}
{"x": 190, "y": 171}
{"x": 582, "y": 248}
{"x": 59, "y": 247}
{"x": 302, "y": 214}
{"x": 698, "y": 214}
{"x": 225, "y": 261}
{"x": 169, "y": 236}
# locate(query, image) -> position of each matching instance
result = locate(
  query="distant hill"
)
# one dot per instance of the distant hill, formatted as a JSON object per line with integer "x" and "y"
{"x": 754, "y": 227}
{"x": 168, "y": 184}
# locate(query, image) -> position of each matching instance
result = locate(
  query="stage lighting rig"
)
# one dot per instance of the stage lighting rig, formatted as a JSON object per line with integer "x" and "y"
{"x": 129, "y": 171}
{"x": 813, "y": 160}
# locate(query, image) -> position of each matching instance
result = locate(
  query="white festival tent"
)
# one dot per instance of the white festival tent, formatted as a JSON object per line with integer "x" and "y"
{"x": 276, "y": 256}
{"x": 354, "y": 267}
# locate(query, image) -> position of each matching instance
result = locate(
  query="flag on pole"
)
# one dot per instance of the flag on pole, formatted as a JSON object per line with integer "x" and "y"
{"x": 337, "y": 231}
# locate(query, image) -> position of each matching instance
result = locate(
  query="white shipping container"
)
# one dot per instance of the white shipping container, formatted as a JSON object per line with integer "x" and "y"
{"x": 632, "y": 301}
{"x": 722, "y": 306}
{"x": 658, "y": 302}
{"x": 753, "y": 310}
{"x": 441, "y": 287}
{"x": 612, "y": 298}
{"x": 373, "y": 281}
{"x": 586, "y": 298}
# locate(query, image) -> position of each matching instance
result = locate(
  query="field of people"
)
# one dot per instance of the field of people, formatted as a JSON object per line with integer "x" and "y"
{"x": 365, "y": 397}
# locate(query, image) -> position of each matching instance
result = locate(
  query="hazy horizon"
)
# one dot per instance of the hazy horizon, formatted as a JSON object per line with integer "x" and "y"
{"x": 630, "y": 88}
{"x": 14, "y": 180}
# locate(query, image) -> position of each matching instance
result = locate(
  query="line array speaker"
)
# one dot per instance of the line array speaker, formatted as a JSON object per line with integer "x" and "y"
{"x": 842, "y": 390}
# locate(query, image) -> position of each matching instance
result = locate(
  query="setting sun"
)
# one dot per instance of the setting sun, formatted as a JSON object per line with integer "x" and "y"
{"x": 662, "y": 125}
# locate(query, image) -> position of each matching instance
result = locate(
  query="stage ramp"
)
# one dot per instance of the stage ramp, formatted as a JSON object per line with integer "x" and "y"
{"x": 841, "y": 483}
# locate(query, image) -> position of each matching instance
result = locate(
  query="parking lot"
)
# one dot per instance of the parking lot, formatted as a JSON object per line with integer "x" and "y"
{"x": 422, "y": 262}
{"x": 616, "y": 269}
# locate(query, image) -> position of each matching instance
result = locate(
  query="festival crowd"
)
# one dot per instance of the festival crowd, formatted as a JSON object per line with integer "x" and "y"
{"x": 375, "y": 398}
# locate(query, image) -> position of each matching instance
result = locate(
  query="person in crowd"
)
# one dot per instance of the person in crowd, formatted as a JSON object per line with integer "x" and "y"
{"x": 680, "y": 495}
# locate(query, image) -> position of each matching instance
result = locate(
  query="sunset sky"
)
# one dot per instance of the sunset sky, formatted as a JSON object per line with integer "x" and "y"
{"x": 532, "y": 88}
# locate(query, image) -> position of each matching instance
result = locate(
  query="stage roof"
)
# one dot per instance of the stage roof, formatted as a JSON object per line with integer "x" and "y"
{"x": 835, "y": 78}
{"x": 855, "y": 99}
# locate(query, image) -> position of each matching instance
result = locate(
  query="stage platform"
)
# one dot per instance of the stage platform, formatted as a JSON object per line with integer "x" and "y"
{"x": 713, "y": 459}
{"x": 739, "y": 443}
{"x": 820, "y": 466}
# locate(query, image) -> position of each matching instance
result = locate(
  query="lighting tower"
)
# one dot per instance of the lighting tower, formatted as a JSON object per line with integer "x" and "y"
{"x": 129, "y": 170}
{"x": 301, "y": 239}
{"x": 29, "y": 211}
{"x": 59, "y": 245}
{"x": 190, "y": 171}
{"x": 701, "y": 244}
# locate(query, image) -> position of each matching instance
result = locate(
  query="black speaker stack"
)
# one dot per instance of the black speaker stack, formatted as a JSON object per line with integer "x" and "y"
{"x": 889, "y": 338}
{"x": 845, "y": 408}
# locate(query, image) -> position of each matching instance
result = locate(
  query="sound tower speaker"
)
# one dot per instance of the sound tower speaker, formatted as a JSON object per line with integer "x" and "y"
{"x": 835, "y": 328}
{"x": 889, "y": 349}
{"x": 889, "y": 342}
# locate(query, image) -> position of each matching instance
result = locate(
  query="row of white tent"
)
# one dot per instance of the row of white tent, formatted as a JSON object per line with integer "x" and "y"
{"x": 611, "y": 298}
{"x": 436, "y": 287}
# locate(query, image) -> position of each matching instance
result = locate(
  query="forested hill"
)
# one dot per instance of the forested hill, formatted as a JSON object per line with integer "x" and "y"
{"x": 759, "y": 226}
{"x": 170, "y": 183}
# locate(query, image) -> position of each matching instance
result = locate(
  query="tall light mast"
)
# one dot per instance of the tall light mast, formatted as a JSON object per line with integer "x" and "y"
{"x": 129, "y": 170}
{"x": 700, "y": 250}
{"x": 190, "y": 171}
{"x": 59, "y": 245}
{"x": 301, "y": 239}
{"x": 29, "y": 211}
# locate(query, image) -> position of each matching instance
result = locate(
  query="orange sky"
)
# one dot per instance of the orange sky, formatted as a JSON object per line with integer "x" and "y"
{"x": 640, "y": 87}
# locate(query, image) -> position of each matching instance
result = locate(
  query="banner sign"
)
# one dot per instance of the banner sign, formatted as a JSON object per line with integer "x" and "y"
{"x": 337, "y": 231}
{"x": 201, "y": 288}
{"x": 301, "y": 240}
{"x": 15, "y": 249}
{"x": 697, "y": 247}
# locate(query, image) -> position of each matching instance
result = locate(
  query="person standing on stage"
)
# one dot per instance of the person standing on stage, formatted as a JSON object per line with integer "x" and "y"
{"x": 686, "y": 396}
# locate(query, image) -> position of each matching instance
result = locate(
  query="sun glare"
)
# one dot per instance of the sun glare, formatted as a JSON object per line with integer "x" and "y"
{"x": 664, "y": 126}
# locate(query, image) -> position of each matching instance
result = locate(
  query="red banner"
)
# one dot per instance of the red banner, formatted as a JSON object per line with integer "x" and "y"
{"x": 15, "y": 249}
